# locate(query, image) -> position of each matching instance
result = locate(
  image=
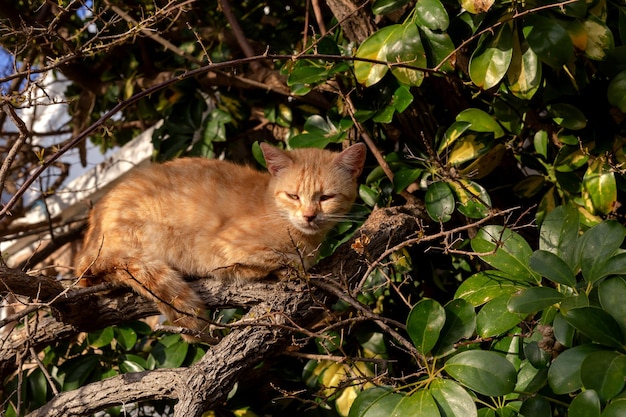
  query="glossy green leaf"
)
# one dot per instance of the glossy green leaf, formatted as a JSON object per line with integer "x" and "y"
{"x": 616, "y": 93}
{"x": 616, "y": 408}
{"x": 468, "y": 148}
{"x": 596, "y": 324}
{"x": 495, "y": 318}
{"x": 534, "y": 299}
{"x": 604, "y": 372}
{"x": 599, "y": 38}
{"x": 78, "y": 370}
{"x": 483, "y": 287}
{"x": 460, "y": 324}
{"x": 126, "y": 337}
{"x": 536, "y": 355}
{"x": 383, "y": 7}
{"x": 563, "y": 331}
{"x": 567, "y": 115}
{"x": 452, "y": 399}
{"x": 101, "y": 338}
{"x": 485, "y": 372}
{"x": 366, "y": 399}
{"x": 564, "y": 372}
{"x": 431, "y": 14}
{"x": 424, "y": 323}
{"x": 524, "y": 74}
{"x": 405, "y": 177}
{"x": 439, "y": 201}
{"x": 570, "y": 158}
{"x": 384, "y": 406}
{"x": 406, "y": 46}
{"x": 552, "y": 267}
{"x": 473, "y": 199}
{"x": 170, "y": 352}
{"x": 586, "y": 404}
{"x": 480, "y": 121}
{"x": 420, "y": 403}
{"x": 531, "y": 379}
{"x": 559, "y": 232}
{"x": 490, "y": 61}
{"x": 395, "y": 43}
{"x": 596, "y": 247}
{"x": 440, "y": 47}
{"x": 536, "y": 406}
{"x": 612, "y": 295}
{"x": 600, "y": 186}
{"x": 512, "y": 252}
{"x": 550, "y": 41}
{"x": 452, "y": 134}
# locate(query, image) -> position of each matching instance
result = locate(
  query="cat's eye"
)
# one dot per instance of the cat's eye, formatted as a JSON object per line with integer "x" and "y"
{"x": 326, "y": 197}
{"x": 293, "y": 196}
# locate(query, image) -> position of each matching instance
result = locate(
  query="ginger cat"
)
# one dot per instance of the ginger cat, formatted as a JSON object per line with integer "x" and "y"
{"x": 200, "y": 217}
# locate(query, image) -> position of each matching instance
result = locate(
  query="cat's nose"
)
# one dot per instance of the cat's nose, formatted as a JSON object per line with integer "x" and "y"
{"x": 309, "y": 217}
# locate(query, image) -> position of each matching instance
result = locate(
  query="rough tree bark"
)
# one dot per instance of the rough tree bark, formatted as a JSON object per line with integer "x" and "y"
{"x": 277, "y": 309}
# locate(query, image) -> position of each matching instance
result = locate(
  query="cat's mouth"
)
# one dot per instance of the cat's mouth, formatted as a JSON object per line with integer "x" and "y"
{"x": 309, "y": 228}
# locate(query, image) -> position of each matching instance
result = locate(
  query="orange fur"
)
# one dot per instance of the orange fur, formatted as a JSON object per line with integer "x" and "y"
{"x": 200, "y": 217}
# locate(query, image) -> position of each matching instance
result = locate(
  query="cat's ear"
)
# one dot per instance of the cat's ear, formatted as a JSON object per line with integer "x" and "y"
{"x": 275, "y": 159}
{"x": 352, "y": 159}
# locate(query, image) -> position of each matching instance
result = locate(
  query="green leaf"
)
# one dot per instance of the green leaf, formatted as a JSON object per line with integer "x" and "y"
{"x": 126, "y": 336}
{"x": 524, "y": 74}
{"x": 559, "y": 232}
{"x": 563, "y": 331}
{"x": 454, "y": 132}
{"x": 424, "y": 323}
{"x": 432, "y": 15}
{"x": 534, "y": 299}
{"x": 383, "y": 7}
{"x": 536, "y": 406}
{"x": 480, "y": 121}
{"x": 567, "y": 116}
{"x": 564, "y": 372}
{"x": 101, "y": 338}
{"x": 596, "y": 324}
{"x": 170, "y": 352}
{"x": 440, "y": 47}
{"x": 495, "y": 318}
{"x": 550, "y": 41}
{"x": 605, "y": 373}
{"x": 612, "y": 294}
{"x": 460, "y": 324}
{"x": 485, "y": 372}
{"x": 366, "y": 399}
{"x": 469, "y": 148}
{"x": 600, "y": 186}
{"x": 586, "y": 404}
{"x": 616, "y": 408}
{"x": 596, "y": 247}
{"x": 483, "y": 287}
{"x": 512, "y": 252}
{"x": 406, "y": 47}
{"x": 473, "y": 199}
{"x": 490, "y": 61}
{"x": 452, "y": 399}
{"x": 78, "y": 370}
{"x": 439, "y": 201}
{"x": 550, "y": 266}
{"x": 394, "y": 43}
{"x": 420, "y": 403}
{"x": 616, "y": 92}
{"x": 384, "y": 406}
{"x": 406, "y": 177}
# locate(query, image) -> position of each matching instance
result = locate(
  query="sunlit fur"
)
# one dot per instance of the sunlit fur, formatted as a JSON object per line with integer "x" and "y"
{"x": 200, "y": 217}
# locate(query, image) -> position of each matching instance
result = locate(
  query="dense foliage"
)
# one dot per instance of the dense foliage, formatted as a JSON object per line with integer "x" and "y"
{"x": 505, "y": 116}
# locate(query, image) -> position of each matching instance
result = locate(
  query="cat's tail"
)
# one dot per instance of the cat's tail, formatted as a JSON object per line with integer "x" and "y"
{"x": 156, "y": 281}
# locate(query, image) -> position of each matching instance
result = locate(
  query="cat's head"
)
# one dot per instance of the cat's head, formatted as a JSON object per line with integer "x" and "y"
{"x": 314, "y": 188}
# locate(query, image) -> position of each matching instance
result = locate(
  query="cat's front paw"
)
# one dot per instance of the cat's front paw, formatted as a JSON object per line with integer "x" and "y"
{"x": 289, "y": 272}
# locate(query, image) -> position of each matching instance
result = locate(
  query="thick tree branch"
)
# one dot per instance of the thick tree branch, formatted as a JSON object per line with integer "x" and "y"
{"x": 263, "y": 332}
